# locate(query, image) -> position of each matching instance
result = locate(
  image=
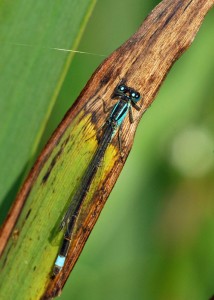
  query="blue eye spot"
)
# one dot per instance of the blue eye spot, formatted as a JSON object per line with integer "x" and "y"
{"x": 133, "y": 95}
{"x": 122, "y": 88}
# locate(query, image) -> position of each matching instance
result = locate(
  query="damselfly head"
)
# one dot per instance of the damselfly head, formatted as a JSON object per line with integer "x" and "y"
{"x": 126, "y": 93}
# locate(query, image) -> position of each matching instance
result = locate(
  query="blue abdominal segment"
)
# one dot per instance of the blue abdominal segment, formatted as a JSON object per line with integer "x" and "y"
{"x": 60, "y": 261}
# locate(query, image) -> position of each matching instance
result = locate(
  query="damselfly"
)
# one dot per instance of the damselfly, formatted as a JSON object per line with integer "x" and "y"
{"x": 128, "y": 98}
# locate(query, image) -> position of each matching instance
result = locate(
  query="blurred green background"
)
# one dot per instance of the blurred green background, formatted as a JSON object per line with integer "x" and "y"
{"x": 154, "y": 238}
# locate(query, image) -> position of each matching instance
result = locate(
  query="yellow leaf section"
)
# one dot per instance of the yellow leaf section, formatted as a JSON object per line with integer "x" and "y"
{"x": 97, "y": 185}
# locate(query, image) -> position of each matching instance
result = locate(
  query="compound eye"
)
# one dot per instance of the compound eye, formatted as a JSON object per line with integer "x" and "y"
{"x": 122, "y": 88}
{"x": 137, "y": 96}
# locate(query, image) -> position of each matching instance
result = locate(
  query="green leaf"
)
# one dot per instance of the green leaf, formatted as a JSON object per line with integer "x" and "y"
{"x": 34, "y": 243}
{"x": 32, "y": 75}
